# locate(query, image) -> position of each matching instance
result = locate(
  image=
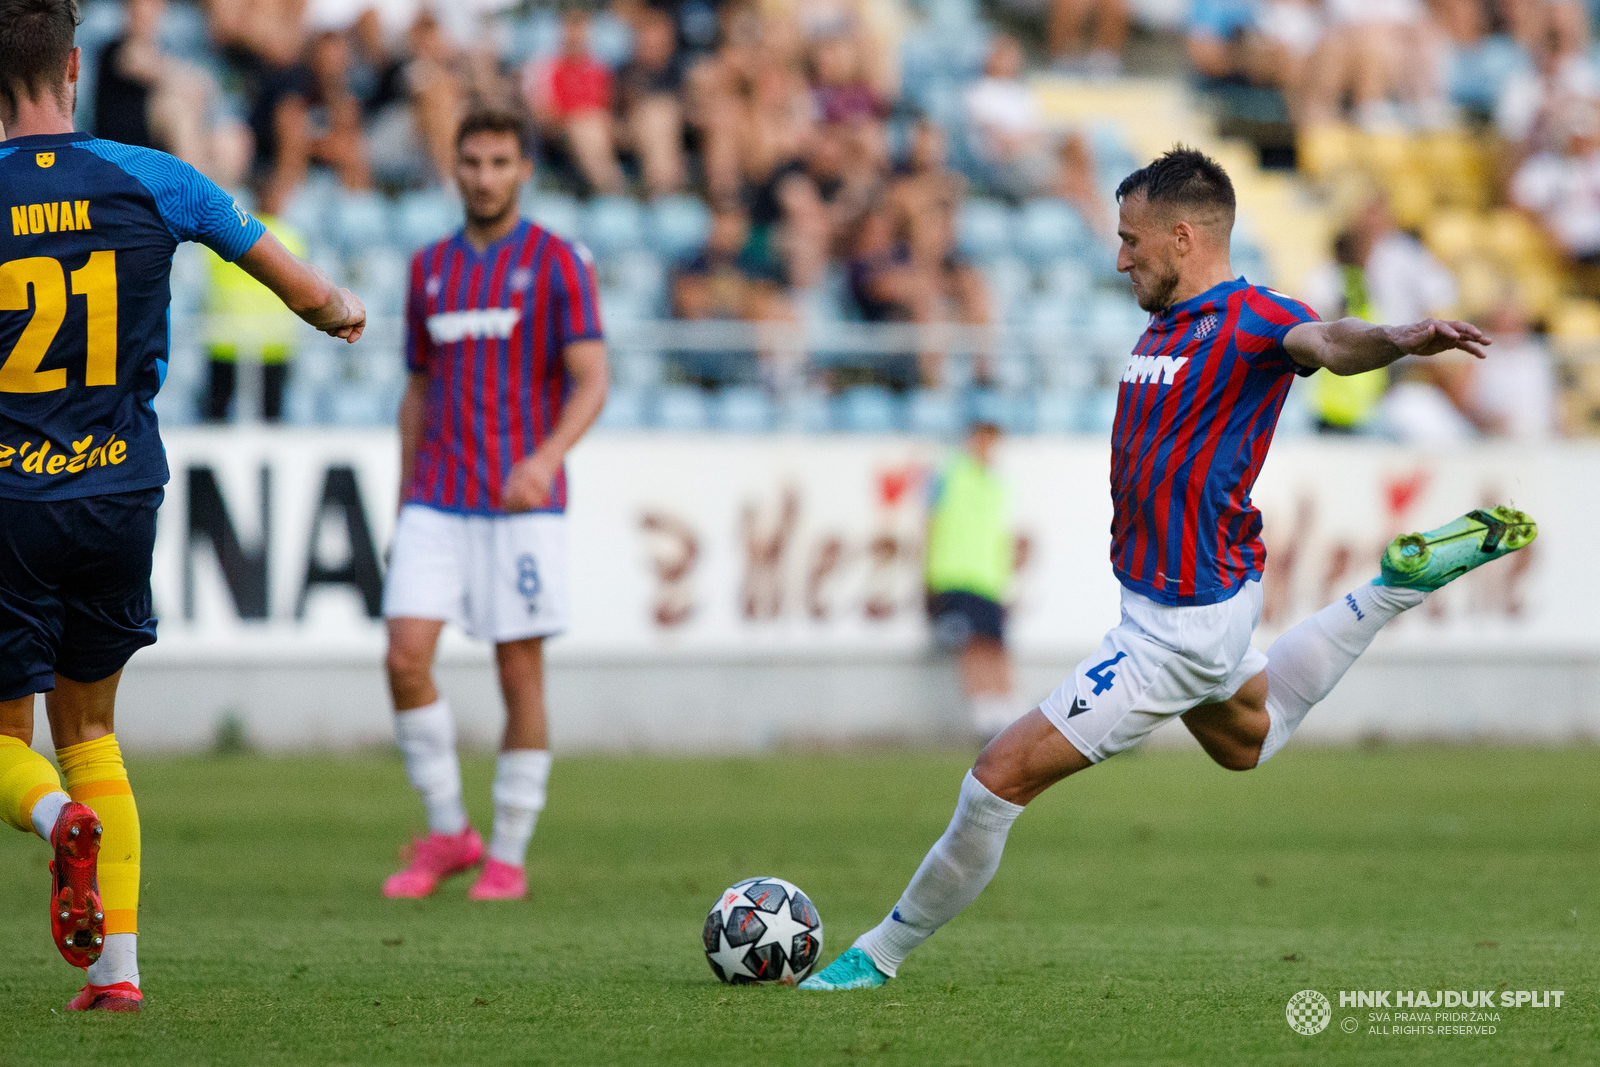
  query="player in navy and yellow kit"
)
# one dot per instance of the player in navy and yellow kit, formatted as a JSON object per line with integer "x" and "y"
{"x": 87, "y": 232}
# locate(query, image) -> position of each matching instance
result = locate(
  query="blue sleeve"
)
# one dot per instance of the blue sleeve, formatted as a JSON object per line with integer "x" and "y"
{"x": 194, "y": 207}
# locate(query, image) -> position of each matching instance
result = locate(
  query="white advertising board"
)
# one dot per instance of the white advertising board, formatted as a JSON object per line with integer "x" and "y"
{"x": 751, "y": 548}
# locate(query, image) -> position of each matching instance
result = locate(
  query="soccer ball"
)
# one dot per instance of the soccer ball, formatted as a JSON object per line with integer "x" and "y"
{"x": 763, "y": 930}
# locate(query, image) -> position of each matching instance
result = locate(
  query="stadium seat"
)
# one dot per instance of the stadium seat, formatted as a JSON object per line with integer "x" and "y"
{"x": 681, "y": 408}
{"x": 426, "y": 217}
{"x": 1098, "y": 410}
{"x": 1056, "y": 411}
{"x": 806, "y": 411}
{"x": 318, "y": 365}
{"x": 867, "y": 409}
{"x": 183, "y": 32}
{"x": 556, "y": 212}
{"x": 935, "y": 412}
{"x": 642, "y": 276}
{"x": 1010, "y": 287}
{"x": 624, "y": 410}
{"x": 1002, "y": 409}
{"x": 380, "y": 277}
{"x": 1047, "y": 229}
{"x": 610, "y": 39}
{"x": 1067, "y": 279}
{"x": 302, "y": 403}
{"x": 983, "y": 229}
{"x": 360, "y": 221}
{"x": 610, "y": 224}
{"x": 360, "y": 405}
{"x": 536, "y": 35}
{"x": 743, "y": 409}
{"x": 309, "y": 207}
{"x": 676, "y": 226}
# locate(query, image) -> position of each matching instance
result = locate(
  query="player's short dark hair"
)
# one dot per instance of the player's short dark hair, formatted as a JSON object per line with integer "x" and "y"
{"x": 1183, "y": 177}
{"x": 36, "y": 37}
{"x": 493, "y": 120}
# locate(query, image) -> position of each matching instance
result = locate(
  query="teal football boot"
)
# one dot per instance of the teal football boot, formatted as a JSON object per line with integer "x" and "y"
{"x": 1430, "y": 560}
{"x": 852, "y": 970}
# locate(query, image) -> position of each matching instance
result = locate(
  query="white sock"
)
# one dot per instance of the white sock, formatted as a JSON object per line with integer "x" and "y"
{"x": 427, "y": 739}
{"x": 46, "y": 810}
{"x": 952, "y": 875}
{"x": 519, "y": 784}
{"x": 118, "y": 962}
{"x": 1306, "y": 663}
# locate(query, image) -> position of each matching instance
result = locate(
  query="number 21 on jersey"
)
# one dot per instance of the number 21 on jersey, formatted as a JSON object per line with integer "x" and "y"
{"x": 96, "y": 281}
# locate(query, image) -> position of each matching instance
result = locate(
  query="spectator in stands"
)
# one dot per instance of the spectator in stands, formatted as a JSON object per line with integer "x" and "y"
{"x": 1387, "y": 57}
{"x": 1345, "y": 404}
{"x": 847, "y": 179}
{"x": 570, "y": 98}
{"x": 649, "y": 112}
{"x": 727, "y": 279}
{"x": 333, "y": 135}
{"x": 1010, "y": 138}
{"x": 1404, "y": 281}
{"x": 1562, "y": 188}
{"x": 1075, "y": 183}
{"x": 1216, "y": 36}
{"x": 148, "y": 98}
{"x": 1514, "y": 392}
{"x": 789, "y": 222}
{"x": 840, "y": 90}
{"x": 1075, "y": 48}
{"x": 1537, "y": 106}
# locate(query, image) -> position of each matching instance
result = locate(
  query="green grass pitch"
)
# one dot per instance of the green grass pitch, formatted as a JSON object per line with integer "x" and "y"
{"x": 1156, "y": 910}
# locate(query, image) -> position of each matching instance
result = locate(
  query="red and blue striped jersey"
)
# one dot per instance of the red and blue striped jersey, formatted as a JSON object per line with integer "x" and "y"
{"x": 1196, "y": 409}
{"x": 490, "y": 329}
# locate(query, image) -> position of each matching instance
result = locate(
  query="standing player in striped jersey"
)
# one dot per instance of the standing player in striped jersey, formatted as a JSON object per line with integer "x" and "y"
{"x": 508, "y": 370}
{"x": 1195, "y": 413}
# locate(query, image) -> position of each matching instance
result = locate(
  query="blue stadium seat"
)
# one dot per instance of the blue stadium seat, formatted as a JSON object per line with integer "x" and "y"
{"x": 360, "y": 221}
{"x": 302, "y": 402}
{"x": 610, "y": 224}
{"x": 619, "y": 307}
{"x": 536, "y": 35}
{"x": 356, "y": 404}
{"x": 676, "y": 226}
{"x": 1010, "y": 287}
{"x": 1115, "y": 321}
{"x": 642, "y": 276}
{"x": 1056, "y": 411}
{"x": 1068, "y": 279}
{"x": 935, "y": 412}
{"x": 556, "y": 212}
{"x": 426, "y": 217}
{"x": 310, "y": 208}
{"x": 1098, "y": 411}
{"x": 381, "y": 277}
{"x": 743, "y": 409}
{"x": 868, "y": 409}
{"x": 184, "y": 33}
{"x": 624, "y": 410}
{"x": 610, "y": 39}
{"x": 983, "y": 229}
{"x": 1048, "y": 229}
{"x": 681, "y": 408}
{"x": 1002, "y": 409}
{"x": 807, "y": 411}
{"x": 318, "y": 365}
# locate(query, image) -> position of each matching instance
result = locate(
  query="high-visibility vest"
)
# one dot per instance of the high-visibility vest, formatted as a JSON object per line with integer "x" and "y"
{"x": 969, "y": 532}
{"x": 1349, "y": 401}
{"x": 242, "y": 315}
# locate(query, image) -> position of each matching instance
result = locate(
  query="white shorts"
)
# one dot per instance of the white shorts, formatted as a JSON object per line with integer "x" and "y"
{"x": 1160, "y": 662}
{"x": 498, "y": 577}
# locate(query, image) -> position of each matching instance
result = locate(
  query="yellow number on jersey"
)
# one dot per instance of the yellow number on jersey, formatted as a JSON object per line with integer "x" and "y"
{"x": 96, "y": 281}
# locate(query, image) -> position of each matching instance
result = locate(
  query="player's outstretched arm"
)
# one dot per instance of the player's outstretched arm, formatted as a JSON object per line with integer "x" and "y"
{"x": 1353, "y": 346}
{"x": 528, "y": 484}
{"x": 305, "y": 289}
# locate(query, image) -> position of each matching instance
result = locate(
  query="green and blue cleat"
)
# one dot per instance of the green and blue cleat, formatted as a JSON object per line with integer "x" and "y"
{"x": 1430, "y": 560}
{"x": 852, "y": 970}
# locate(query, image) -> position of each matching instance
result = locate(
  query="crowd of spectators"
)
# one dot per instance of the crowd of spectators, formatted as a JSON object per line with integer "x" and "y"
{"x": 789, "y": 122}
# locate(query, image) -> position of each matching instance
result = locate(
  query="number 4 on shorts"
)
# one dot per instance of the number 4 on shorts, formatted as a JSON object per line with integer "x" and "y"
{"x": 1101, "y": 674}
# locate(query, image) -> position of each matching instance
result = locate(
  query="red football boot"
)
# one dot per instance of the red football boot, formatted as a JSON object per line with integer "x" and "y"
{"x": 124, "y": 996}
{"x": 77, "y": 920}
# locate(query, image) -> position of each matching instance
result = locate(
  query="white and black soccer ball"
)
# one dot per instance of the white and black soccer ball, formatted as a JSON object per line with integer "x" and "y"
{"x": 763, "y": 930}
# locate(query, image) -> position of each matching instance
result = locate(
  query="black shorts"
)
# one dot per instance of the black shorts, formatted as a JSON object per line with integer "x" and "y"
{"x": 959, "y": 617}
{"x": 74, "y": 588}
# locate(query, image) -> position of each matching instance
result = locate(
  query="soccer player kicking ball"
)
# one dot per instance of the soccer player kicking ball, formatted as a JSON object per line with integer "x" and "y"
{"x": 508, "y": 370}
{"x": 1195, "y": 414}
{"x": 85, "y": 264}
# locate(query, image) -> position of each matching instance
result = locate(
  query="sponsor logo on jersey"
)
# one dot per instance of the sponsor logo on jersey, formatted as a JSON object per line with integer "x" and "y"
{"x": 1205, "y": 327}
{"x": 49, "y": 218}
{"x": 1079, "y": 706}
{"x": 47, "y": 458}
{"x": 1162, "y": 370}
{"x": 448, "y": 327}
{"x": 521, "y": 278}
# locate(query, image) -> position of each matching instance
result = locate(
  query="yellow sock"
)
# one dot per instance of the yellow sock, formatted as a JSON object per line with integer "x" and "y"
{"x": 25, "y": 778}
{"x": 96, "y": 777}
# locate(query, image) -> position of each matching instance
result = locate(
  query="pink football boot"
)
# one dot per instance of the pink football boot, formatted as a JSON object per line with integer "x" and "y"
{"x": 499, "y": 881}
{"x": 434, "y": 858}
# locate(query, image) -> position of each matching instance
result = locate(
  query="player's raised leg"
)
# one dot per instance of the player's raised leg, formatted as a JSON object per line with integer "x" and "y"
{"x": 521, "y": 772}
{"x": 1026, "y": 759}
{"x": 425, "y": 730}
{"x": 1305, "y": 664}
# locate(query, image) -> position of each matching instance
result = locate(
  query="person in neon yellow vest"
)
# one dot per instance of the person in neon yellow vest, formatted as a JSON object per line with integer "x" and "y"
{"x": 242, "y": 315}
{"x": 1346, "y": 404}
{"x": 968, "y": 576}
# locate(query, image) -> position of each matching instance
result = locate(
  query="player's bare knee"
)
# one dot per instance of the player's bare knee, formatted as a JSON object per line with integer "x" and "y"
{"x": 1235, "y": 757}
{"x": 409, "y": 668}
